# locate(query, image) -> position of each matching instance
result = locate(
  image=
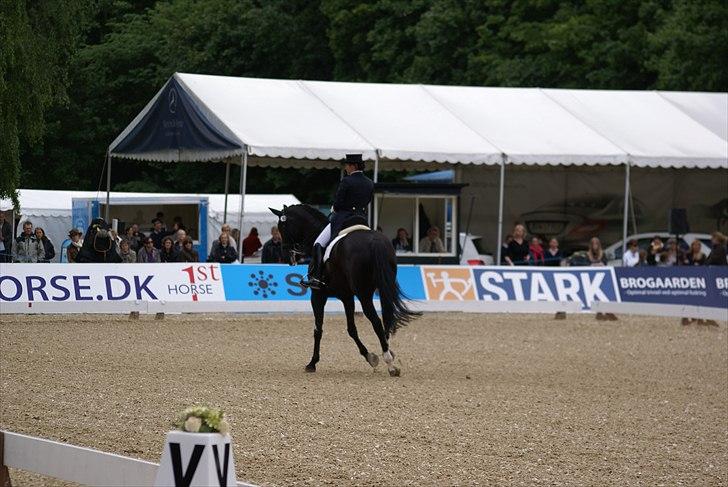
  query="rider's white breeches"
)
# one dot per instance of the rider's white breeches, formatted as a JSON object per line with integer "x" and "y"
{"x": 324, "y": 237}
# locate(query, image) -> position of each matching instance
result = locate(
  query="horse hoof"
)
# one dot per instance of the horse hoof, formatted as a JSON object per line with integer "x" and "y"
{"x": 372, "y": 359}
{"x": 394, "y": 372}
{"x": 310, "y": 368}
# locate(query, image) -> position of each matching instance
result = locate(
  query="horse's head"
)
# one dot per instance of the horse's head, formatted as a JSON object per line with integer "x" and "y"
{"x": 299, "y": 226}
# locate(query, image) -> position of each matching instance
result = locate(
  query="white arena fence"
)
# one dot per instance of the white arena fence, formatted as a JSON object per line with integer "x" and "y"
{"x": 71, "y": 463}
{"x": 697, "y": 292}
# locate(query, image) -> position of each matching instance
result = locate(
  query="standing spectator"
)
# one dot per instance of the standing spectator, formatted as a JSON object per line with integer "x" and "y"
{"x": 129, "y": 237}
{"x": 595, "y": 254}
{"x": 177, "y": 224}
{"x": 137, "y": 240}
{"x": 75, "y": 247}
{"x": 158, "y": 233}
{"x": 179, "y": 239}
{"x": 504, "y": 249}
{"x": 27, "y": 248}
{"x": 148, "y": 254}
{"x": 273, "y": 248}
{"x": 49, "y": 251}
{"x": 223, "y": 252}
{"x": 518, "y": 251}
{"x": 168, "y": 252}
{"x": 127, "y": 254}
{"x": 6, "y": 239}
{"x": 642, "y": 262}
{"x": 632, "y": 256}
{"x": 672, "y": 255}
{"x": 553, "y": 255}
{"x": 402, "y": 242}
{"x": 188, "y": 253}
{"x": 252, "y": 243}
{"x": 695, "y": 255}
{"x": 535, "y": 250}
{"x": 233, "y": 242}
{"x": 432, "y": 243}
{"x": 718, "y": 252}
{"x": 656, "y": 248}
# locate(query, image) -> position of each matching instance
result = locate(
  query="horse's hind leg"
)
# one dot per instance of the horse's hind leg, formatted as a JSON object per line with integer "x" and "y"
{"x": 371, "y": 313}
{"x": 318, "y": 301}
{"x": 351, "y": 328}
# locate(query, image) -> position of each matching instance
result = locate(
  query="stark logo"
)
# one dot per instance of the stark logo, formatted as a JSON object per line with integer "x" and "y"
{"x": 449, "y": 283}
{"x": 263, "y": 284}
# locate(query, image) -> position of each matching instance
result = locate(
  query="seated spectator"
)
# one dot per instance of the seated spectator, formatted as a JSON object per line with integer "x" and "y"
{"x": 6, "y": 239}
{"x": 402, "y": 242}
{"x": 432, "y": 243}
{"x": 179, "y": 239}
{"x": 536, "y": 252}
{"x": 127, "y": 254}
{"x": 718, "y": 251}
{"x": 273, "y": 248}
{"x": 553, "y": 255}
{"x": 188, "y": 253}
{"x": 168, "y": 252}
{"x": 518, "y": 251}
{"x": 223, "y": 252}
{"x": 595, "y": 254}
{"x": 158, "y": 233}
{"x": 673, "y": 255}
{"x": 75, "y": 247}
{"x": 148, "y": 254}
{"x": 26, "y": 248}
{"x": 49, "y": 251}
{"x": 252, "y": 243}
{"x": 504, "y": 249}
{"x": 695, "y": 256}
{"x": 632, "y": 255}
{"x": 656, "y": 247}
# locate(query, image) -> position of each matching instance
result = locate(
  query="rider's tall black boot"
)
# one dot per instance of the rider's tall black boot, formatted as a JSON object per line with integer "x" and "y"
{"x": 315, "y": 269}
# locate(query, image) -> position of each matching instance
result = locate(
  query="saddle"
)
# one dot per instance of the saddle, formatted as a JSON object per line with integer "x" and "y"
{"x": 343, "y": 233}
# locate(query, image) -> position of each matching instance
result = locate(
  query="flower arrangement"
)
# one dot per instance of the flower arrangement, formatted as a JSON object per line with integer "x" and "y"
{"x": 202, "y": 419}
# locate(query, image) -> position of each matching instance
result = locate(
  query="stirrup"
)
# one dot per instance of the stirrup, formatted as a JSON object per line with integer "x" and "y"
{"x": 313, "y": 283}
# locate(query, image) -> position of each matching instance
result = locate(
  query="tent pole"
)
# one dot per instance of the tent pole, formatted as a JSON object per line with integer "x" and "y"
{"x": 376, "y": 166}
{"x": 500, "y": 209}
{"x": 625, "y": 216}
{"x": 227, "y": 186}
{"x": 243, "y": 175}
{"x": 107, "y": 213}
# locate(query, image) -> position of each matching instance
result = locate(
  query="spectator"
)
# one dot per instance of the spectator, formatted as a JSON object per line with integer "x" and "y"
{"x": 402, "y": 242}
{"x": 127, "y": 254}
{"x": 177, "y": 224}
{"x": 188, "y": 253}
{"x": 695, "y": 255}
{"x": 168, "y": 252}
{"x": 27, "y": 248}
{"x": 75, "y": 247}
{"x": 49, "y": 251}
{"x": 252, "y": 243}
{"x": 233, "y": 242}
{"x": 160, "y": 217}
{"x": 6, "y": 239}
{"x": 273, "y": 248}
{"x": 595, "y": 254}
{"x": 535, "y": 250}
{"x": 643, "y": 259}
{"x": 632, "y": 255}
{"x": 518, "y": 251}
{"x": 137, "y": 240}
{"x": 432, "y": 244}
{"x": 504, "y": 249}
{"x": 158, "y": 233}
{"x": 672, "y": 255}
{"x": 129, "y": 236}
{"x": 148, "y": 254}
{"x": 223, "y": 252}
{"x": 553, "y": 255}
{"x": 718, "y": 252}
{"x": 656, "y": 247}
{"x": 180, "y": 237}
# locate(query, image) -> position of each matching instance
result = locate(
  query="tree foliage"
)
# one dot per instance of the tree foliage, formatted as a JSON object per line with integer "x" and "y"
{"x": 130, "y": 48}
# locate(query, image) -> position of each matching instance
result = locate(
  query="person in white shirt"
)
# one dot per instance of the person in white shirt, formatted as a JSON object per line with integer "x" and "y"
{"x": 632, "y": 255}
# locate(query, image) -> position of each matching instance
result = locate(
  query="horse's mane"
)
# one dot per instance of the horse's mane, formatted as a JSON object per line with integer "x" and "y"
{"x": 309, "y": 212}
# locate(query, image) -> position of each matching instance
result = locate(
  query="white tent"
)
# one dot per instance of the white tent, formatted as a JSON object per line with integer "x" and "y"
{"x": 52, "y": 210}
{"x": 305, "y": 123}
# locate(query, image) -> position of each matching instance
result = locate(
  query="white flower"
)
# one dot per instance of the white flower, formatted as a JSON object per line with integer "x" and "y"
{"x": 193, "y": 424}
{"x": 224, "y": 427}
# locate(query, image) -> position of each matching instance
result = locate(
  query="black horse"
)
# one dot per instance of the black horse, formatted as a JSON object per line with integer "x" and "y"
{"x": 98, "y": 245}
{"x": 359, "y": 265}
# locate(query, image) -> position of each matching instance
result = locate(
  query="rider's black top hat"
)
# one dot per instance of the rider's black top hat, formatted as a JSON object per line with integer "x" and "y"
{"x": 354, "y": 159}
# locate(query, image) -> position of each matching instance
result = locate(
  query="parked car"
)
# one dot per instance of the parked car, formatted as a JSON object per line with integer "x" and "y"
{"x": 473, "y": 252}
{"x": 614, "y": 251}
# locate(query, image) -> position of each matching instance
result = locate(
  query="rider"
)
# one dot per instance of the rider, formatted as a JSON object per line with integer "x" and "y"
{"x": 353, "y": 195}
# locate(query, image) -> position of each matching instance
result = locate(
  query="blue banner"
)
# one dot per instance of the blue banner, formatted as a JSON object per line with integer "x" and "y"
{"x": 688, "y": 285}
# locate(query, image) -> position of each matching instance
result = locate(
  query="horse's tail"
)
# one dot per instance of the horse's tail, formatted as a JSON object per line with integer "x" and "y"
{"x": 395, "y": 313}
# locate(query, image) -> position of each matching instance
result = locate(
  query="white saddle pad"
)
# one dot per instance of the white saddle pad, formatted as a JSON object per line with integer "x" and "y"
{"x": 341, "y": 235}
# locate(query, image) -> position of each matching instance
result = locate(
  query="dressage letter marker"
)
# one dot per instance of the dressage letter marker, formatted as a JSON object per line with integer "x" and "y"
{"x": 196, "y": 460}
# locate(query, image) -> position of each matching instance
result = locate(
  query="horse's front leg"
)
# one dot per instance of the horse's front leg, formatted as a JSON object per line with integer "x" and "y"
{"x": 318, "y": 301}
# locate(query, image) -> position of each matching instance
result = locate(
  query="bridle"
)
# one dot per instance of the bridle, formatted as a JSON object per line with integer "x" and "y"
{"x": 294, "y": 251}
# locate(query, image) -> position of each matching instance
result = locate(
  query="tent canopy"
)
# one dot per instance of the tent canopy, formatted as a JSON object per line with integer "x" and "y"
{"x": 307, "y": 123}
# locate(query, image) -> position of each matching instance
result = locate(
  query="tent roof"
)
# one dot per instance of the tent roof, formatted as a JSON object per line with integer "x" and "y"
{"x": 309, "y": 123}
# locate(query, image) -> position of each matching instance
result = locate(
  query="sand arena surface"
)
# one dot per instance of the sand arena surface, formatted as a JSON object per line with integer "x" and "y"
{"x": 483, "y": 399}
